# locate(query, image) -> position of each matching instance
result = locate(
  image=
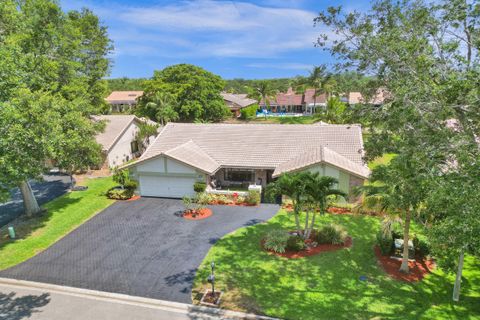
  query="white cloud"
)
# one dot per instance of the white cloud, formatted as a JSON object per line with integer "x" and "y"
{"x": 207, "y": 28}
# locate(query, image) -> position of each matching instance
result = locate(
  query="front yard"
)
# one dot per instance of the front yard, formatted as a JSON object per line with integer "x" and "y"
{"x": 63, "y": 215}
{"x": 328, "y": 285}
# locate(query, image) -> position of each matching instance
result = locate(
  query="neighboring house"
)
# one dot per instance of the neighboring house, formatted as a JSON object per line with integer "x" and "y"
{"x": 118, "y": 140}
{"x": 292, "y": 102}
{"x": 237, "y": 101}
{"x": 378, "y": 98}
{"x": 121, "y": 101}
{"x": 238, "y": 155}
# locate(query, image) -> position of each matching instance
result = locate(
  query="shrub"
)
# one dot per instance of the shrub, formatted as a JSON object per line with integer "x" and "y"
{"x": 295, "y": 243}
{"x": 253, "y": 197}
{"x": 240, "y": 199}
{"x": 276, "y": 240}
{"x": 421, "y": 247}
{"x": 187, "y": 202}
{"x": 204, "y": 198}
{"x": 331, "y": 234}
{"x": 223, "y": 199}
{"x": 121, "y": 176}
{"x": 249, "y": 113}
{"x": 199, "y": 187}
{"x": 131, "y": 184}
{"x": 385, "y": 242}
{"x": 120, "y": 194}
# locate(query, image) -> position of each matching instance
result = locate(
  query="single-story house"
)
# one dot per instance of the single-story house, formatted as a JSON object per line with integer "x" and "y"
{"x": 237, "y": 101}
{"x": 292, "y": 102}
{"x": 121, "y": 101}
{"x": 239, "y": 155}
{"x": 118, "y": 140}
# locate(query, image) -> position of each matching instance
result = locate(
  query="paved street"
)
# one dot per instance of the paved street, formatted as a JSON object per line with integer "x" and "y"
{"x": 54, "y": 185}
{"x": 141, "y": 248}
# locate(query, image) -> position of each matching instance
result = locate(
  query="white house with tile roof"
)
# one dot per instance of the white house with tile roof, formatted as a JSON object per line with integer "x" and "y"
{"x": 118, "y": 140}
{"x": 243, "y": 154}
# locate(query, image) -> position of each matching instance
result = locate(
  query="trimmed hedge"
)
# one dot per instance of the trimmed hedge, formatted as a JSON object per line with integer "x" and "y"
{"x": 199, "y": 187}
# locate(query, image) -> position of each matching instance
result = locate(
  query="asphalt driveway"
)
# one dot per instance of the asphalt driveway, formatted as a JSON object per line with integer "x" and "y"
{"x": 52, "y": 186}
{"x": 140, "y": 248}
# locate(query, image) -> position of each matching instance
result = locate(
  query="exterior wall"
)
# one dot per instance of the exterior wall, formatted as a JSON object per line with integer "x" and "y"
{"x": 346, "y": 181}
{"x": 122, "y": 150}
{"x": 260, "y": 177}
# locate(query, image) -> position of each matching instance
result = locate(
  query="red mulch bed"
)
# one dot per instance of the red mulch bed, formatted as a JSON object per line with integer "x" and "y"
{"x": 134, "y": 198}
{"x": 232, "y": 204}
{"x": 311, "y": 251}
{"x": 197, "y": 215}
{"x": 418, "y": 268}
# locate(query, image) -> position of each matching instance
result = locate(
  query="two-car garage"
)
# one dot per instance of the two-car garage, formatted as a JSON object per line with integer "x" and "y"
{"x": 166, "y": 178}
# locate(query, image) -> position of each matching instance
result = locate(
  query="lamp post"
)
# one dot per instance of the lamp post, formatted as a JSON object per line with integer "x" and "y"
{"x": 211, "y": 277}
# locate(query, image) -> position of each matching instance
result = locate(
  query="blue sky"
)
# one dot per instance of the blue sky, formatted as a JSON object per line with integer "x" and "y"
{"x": 234, "y": 39}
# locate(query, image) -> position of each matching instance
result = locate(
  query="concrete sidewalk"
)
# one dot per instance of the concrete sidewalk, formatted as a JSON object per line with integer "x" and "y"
{"x": 32, "y": 300}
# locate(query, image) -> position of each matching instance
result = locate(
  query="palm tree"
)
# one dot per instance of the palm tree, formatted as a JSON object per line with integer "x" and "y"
{"x": 318, "y": 189}
{"x": 162, "y": 106}
{"x": 293, "y": 186}
{"x": 394, "y": 190}
{"x": 263, "y": 90}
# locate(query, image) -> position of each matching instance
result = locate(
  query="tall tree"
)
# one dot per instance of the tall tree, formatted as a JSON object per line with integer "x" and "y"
{"x": 160, "y": 107}
{"x": 52, "y": 65}
{"x": 195, "y": 91}
{"x": 426, "y": 55}
{"x": 263, "y": 90}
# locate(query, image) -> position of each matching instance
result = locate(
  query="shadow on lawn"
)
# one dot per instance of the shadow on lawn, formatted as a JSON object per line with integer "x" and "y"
{"x": 326, "y": 286}
{"x": 17, "y": 308}
{"x": 25, "y": 227}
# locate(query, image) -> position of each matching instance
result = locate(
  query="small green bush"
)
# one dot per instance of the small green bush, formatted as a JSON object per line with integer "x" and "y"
{"x": 331, "y": 234}
{"x": 253, "y": 197}
{"x": 223, "y": 199}
{"x": 204, "y": 198}
{"x": 385, "y": 242}
{"x": 199, "y": 187}
{"x": 131, "y": 184}
{"x": 421, "y": 247}
{"x": 120, "y": 194}
{"x": 276, "y": 240}
{"x": 249, "y": 113}
{"x": 295, "y": 243}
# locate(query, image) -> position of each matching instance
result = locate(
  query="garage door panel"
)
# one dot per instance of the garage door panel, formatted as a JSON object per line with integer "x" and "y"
{"x": 167, "y": 187}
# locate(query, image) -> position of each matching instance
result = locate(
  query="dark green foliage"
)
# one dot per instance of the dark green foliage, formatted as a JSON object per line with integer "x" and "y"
{"x": 295, "y": 243}
{"x": 276, "y": 240}
{"x": 195, "y": 93}
{"x": 246, "y": 86}
{"x": 385, "y": 242}
{"x": 249, "y": 112}
{"x": 421, "y": 247}
{"x": 199, "y": 187}
{"x": 253, "y": 197}
{"x": 131, "y": 184}
{"x": 120, "y": 194}
{"x": 125, "y": 84}
{"x": 331, "y": 234}
{"x": 121, "y": 176}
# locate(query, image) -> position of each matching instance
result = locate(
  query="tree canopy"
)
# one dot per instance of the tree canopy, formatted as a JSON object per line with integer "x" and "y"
{"x": 51, "y": 82}
{"x": 195, "y": 92}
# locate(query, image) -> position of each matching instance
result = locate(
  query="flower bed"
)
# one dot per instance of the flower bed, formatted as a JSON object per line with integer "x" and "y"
{"x": 200, "y": 214}
{"x": 418, "y": 268}
{"x": 312, "y": 250}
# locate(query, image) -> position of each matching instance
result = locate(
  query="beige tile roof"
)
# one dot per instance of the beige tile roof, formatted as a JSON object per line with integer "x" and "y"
{"x": 321, "y": 155}
{"x": 239, "y": 99}
{"x": 124, "y": 97}
{"x": 191, "y": 154}
{"x": 115, "y": 126}
{"x": 259, "y": 145}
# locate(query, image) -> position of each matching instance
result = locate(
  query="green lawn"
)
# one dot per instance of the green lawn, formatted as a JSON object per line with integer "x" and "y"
{"x": 63, "y": 215}
{"x": 327, "y": 286}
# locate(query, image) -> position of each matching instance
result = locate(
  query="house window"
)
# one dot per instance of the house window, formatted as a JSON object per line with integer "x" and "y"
{"x": 239, "y": 175}
{"x": 134, "y": 146}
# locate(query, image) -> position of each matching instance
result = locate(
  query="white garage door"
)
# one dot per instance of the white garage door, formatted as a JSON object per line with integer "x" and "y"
{"x": 168, "y": 187}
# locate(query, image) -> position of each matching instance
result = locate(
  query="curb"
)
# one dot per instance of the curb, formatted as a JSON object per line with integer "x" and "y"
{"x": 134, "y": 300}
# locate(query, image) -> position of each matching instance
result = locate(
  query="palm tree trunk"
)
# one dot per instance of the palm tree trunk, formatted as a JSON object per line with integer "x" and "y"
{"x": 404, "y": 267}
{"x": 29, "y": 201}
{"x": 307, "y": 217}
{"x": 297, "y": 219}
{"x": 458, "y": 279}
